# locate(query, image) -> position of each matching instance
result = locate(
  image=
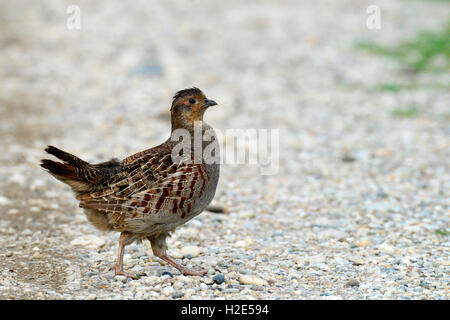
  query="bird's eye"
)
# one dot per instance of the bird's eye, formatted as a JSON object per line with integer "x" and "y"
{"x": 192, "y": 101}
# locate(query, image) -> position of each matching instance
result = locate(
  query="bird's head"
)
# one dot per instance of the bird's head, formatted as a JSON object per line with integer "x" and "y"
{"x": 188, "y": 106}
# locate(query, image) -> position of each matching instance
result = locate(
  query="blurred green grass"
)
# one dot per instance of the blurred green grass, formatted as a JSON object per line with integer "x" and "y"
{"x": 443, "y": 233}
{"x": 407, "y": 112}
{"x": 390, "y": 87}
{"x": 427, "y": 51}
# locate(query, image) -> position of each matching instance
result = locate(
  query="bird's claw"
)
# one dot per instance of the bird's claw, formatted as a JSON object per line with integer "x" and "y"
{"x": 135, "y": 276}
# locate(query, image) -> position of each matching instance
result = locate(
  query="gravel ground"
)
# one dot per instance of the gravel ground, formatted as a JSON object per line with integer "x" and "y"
{"x": 354, "y": 211}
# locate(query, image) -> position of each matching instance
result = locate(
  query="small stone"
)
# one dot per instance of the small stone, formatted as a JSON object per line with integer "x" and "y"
{"x": 167, "y": 273}
{"x": 251, "y": 279}
{"x": 383, "y": 152}
{"x": 36, "y": 255}
{"x": 177, "y": 295}
{"x": 88, "y": 241}
{"x": 138, "y": 254}
{"x": 230, "y": 290}
{"x": 4, "y": 201}
{"x": 217, "y": 208}
{"x": 189, "y": 292}
{"x": 352, "y": 283}
{"x": 322, "y": 266}
{"x": 120, "y": 278}
{"x": 176, "y": 254}
{"x": 246, "y": 214}
{"x": 331, "y": 234}
{"x": 210, "y": 261}
{"x": 27, "y": 232}
{"x": 138, "y": 269}
{"x": 167, "y": 291}
{"x": 178, "y": 284}
{"x": 356, "y": 261}
{"x": 302, "y": 261}
{"x": 317, "y": 259}
{"x": 363, "y": 243}
{"x": 191, "y": 251}
{"x": 220, "y": 278}
{"x": 348, "y": 158}
{"x": 185, "y": 279}
{"x": 240, "y": 243}
{"x": 385, "y": 248}
{"x": 203, "y": 286}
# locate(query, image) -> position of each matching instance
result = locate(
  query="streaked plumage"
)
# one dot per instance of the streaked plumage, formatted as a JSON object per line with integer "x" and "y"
{"x": 148, "y": 194}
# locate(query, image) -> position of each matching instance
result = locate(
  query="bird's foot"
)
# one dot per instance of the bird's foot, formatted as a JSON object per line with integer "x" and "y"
{"x": 185, "y": 271}
{"x": 188, "y": 272}
{"x": 135, "y": 276}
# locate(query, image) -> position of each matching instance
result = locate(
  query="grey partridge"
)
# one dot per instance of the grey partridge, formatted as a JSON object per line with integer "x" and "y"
{"x": 149, "y": 194}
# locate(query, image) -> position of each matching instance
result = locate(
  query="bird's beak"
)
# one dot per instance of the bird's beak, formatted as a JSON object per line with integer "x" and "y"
{"x": 209, "y": 103}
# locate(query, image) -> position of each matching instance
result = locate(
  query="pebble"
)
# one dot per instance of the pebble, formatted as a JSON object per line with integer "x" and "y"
{"x": 4, "y": 201}
{"x": 178, "y": 284}
{"x": 178, "y": 295}
{"x": 356, "y": 261}
{"x": 90, "y": 241}
{"x": 168, "y": 291}
{"x": 190, "y": 252}
{"x": 251, "y": 279}
{"x": 352, "y": 283}
{"x": 139, "y": 254}
{"x": 189, "y": 292}
{"x": 317, "y": 259}
{"x": 240, "y": 243}
{"x": 331, "y": 234}
{"x": 363, "y": 243}
{"x": 302, "y": 261}
{"x": 247, "y": 214}
{"x": 176, "y": 254}
{"x": 120, "y": 278}
{"x": 185, "y": 279}
{"x": 220, "y": 278}
{"x": 167, "y": 273}
{"x": 385, "y": 248}
{"x": 210, "y": 261}
{"x": 217, "y": 209}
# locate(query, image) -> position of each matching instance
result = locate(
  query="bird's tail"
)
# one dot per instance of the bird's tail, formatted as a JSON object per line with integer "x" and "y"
{"x": 66, "y": 171}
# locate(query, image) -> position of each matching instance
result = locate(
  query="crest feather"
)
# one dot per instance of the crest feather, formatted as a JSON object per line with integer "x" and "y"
{"x": 187, "y": 92}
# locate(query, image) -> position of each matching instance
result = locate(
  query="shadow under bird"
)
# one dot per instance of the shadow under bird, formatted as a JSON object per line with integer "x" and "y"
{"x": 148, "y": 194}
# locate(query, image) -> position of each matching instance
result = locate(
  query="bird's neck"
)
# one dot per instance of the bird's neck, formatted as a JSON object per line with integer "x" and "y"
{"x": 197, "y": 135}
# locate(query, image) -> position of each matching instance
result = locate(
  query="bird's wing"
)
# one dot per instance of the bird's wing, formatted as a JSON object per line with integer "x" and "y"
{"x": 156, "y": 189}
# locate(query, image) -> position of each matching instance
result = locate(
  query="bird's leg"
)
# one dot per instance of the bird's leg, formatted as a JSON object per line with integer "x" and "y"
{"x": 185, "y": 271}
{"x": 159, "y": 248}
{"x": 125, "y": 238}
